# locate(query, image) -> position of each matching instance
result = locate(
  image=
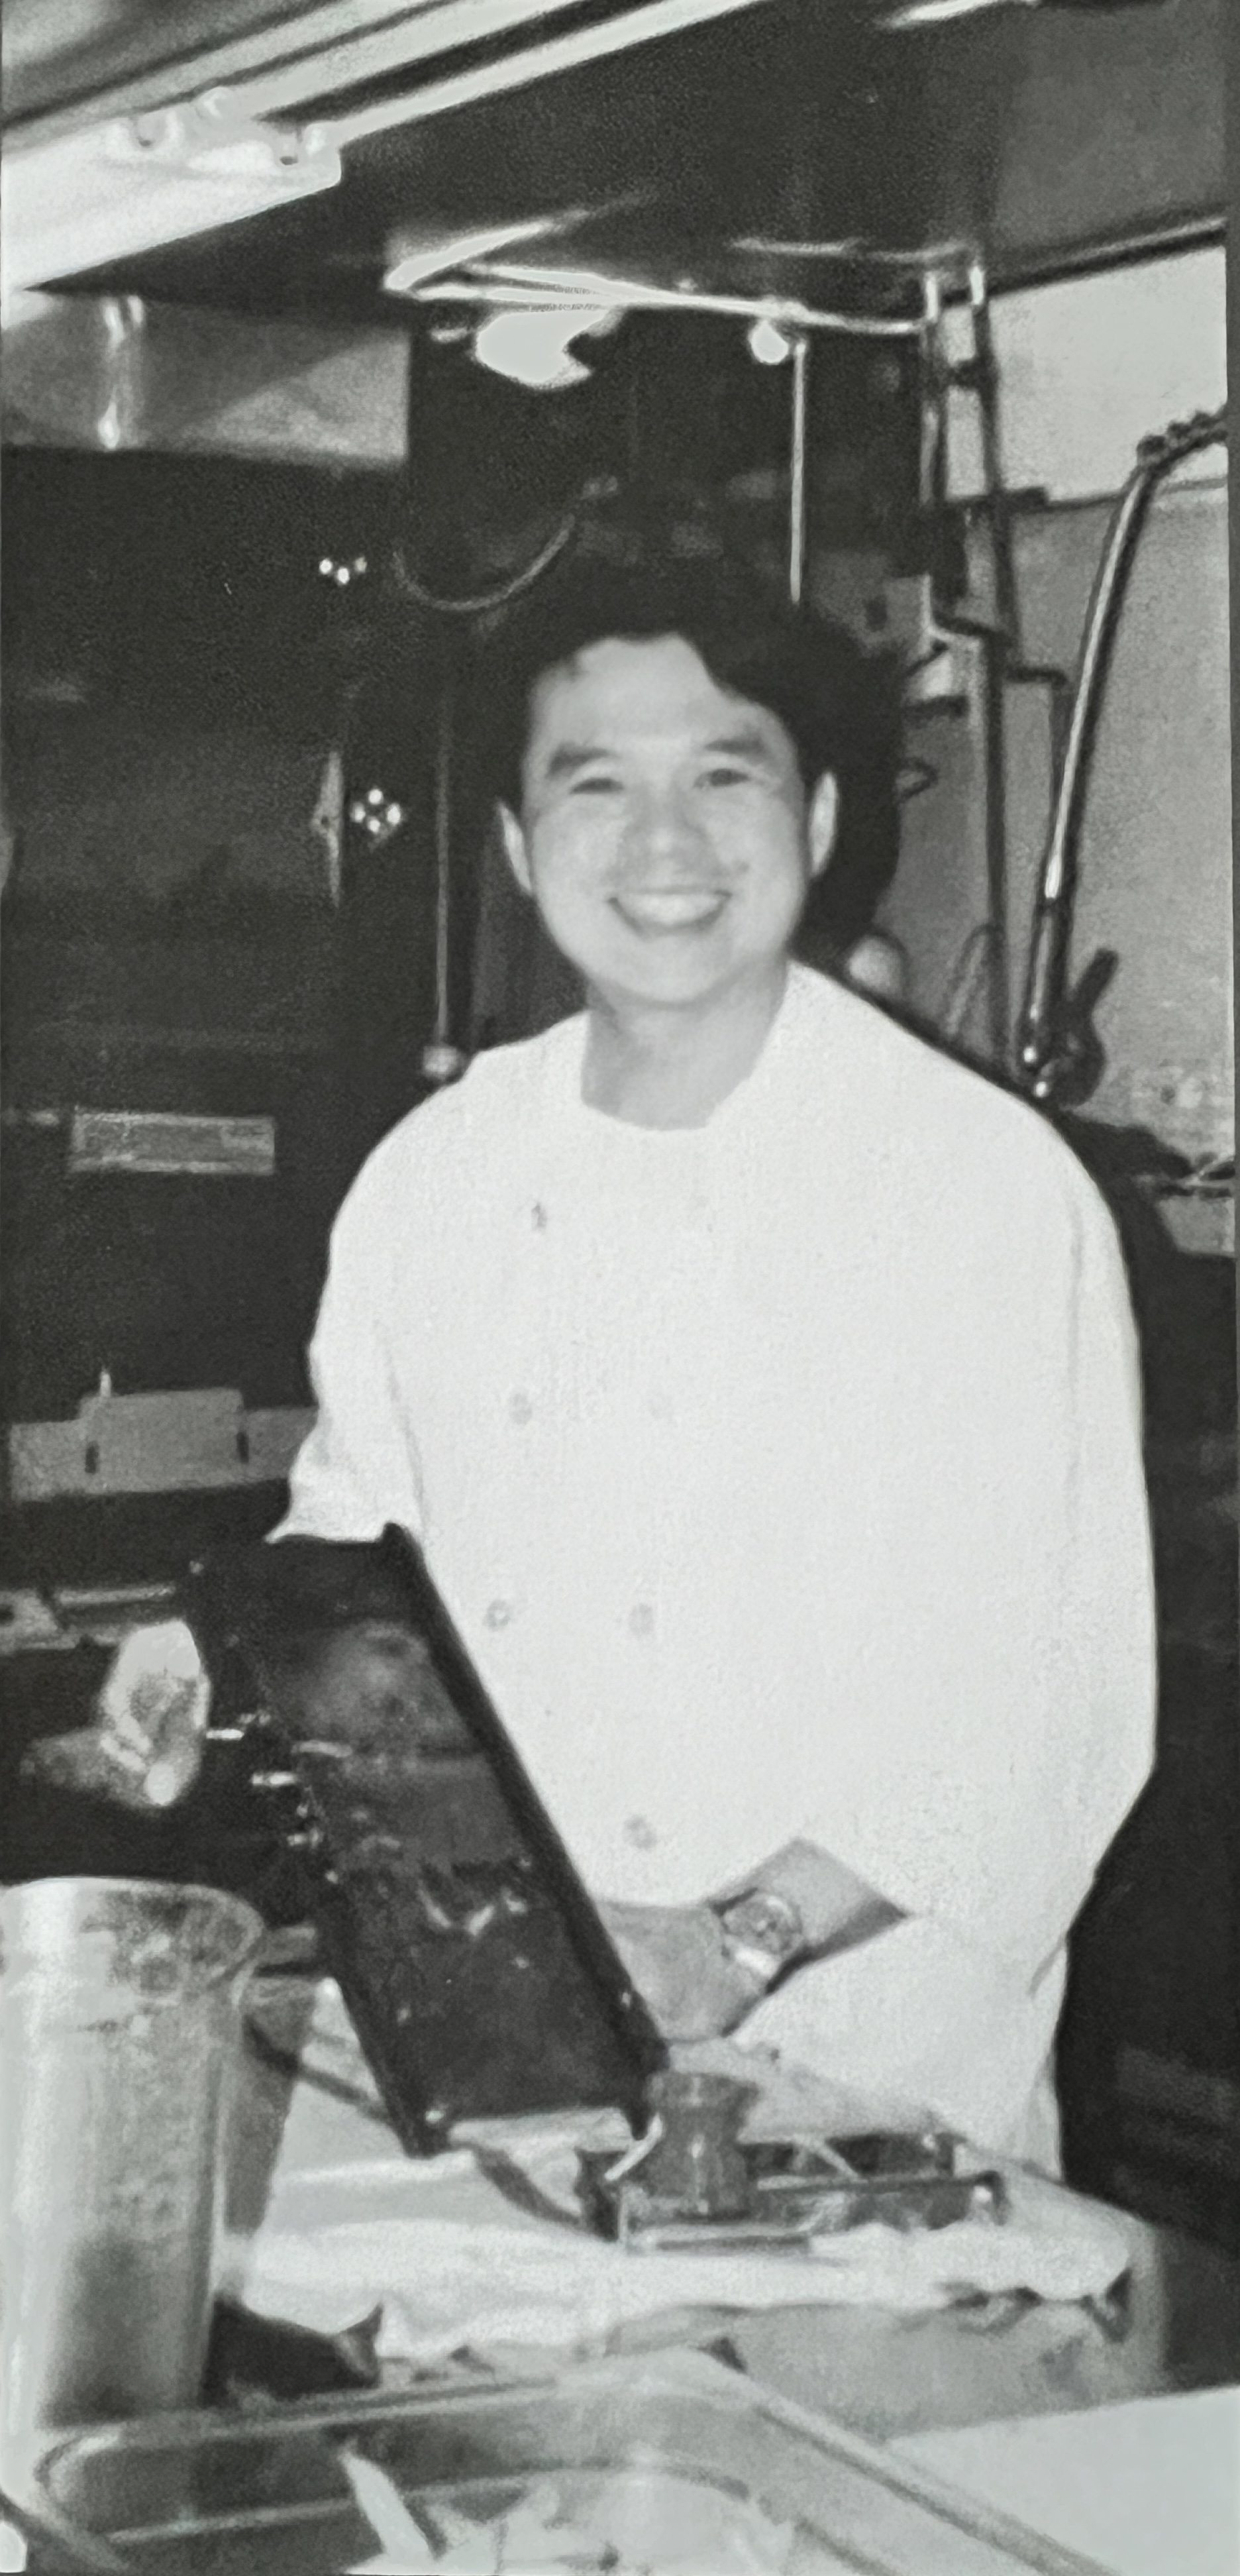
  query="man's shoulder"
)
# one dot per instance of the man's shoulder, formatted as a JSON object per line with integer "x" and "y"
{"x": 499, "y": 1099}
{"x": 904, "y": 1087}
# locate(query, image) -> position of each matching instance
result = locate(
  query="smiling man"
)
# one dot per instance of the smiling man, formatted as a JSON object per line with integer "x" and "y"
{"x": 761, "y": 1387}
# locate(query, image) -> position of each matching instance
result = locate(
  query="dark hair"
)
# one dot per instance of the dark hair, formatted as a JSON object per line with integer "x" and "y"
{"x": 838, "y": 704}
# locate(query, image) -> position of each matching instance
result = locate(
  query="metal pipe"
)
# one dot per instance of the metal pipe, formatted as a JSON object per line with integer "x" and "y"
{"x": 983, "y": 376}
{"x": 994, "y": 665}
{"x": 932, "y": 457}
{"x": 443, "y": 863}
{"x": 797, "y": 514}
{"x": 543, "y": 289}
{"x": 1052, "y": 925}
{"x": 442, "y": 1059}
{"x": 855, "y": 253}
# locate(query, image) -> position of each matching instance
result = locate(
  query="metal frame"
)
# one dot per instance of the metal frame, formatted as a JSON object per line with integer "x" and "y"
{"x": 1042, "y": 1062}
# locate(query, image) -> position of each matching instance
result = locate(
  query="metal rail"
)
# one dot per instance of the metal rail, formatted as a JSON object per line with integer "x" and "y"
{"x": 1042, "y": 1058}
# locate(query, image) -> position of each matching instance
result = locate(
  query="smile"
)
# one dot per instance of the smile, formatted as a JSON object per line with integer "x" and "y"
{"x": 657, "y": 908}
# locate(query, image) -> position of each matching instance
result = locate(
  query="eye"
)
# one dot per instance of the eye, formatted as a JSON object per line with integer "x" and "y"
{"x": 725, "y": 773}
{"x": 599, "y": 783}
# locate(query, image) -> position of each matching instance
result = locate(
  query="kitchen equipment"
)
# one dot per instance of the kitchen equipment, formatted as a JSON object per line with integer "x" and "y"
{"x": 695, "y": 2182}
{"x": 475, "y": 1967}
{"x": 202, "y": 2496}
{"x": 695, "y": 2160}
{"x": 119, "y": 2028}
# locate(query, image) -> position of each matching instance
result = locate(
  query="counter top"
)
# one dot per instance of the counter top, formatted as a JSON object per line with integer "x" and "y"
{"x": 884, "y": 2374}
{"x": 889, "y": 2376}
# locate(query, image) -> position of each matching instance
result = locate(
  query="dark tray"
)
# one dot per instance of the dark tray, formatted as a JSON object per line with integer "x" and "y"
{"x": 475, "y": 1966}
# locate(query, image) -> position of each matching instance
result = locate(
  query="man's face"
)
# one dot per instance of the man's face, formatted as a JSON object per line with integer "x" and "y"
{"x": 665, "y": 835}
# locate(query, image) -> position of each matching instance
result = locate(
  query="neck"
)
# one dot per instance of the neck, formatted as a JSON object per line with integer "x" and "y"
{"x": 671, "y": 1066}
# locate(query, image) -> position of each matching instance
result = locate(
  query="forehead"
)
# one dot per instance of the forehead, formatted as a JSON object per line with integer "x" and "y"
{"x": 620, "y": 692}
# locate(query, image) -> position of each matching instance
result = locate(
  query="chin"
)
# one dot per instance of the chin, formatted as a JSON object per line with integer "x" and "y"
{"x": 671, "y": 983}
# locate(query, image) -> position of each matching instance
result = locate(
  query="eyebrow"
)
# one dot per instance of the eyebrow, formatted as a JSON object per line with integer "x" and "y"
{"x": 572, "y": 756}
{"x": 746, "y": 744}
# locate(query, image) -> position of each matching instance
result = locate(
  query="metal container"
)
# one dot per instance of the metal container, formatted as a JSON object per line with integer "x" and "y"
{"x": 119, "y": 2034}
{"x": 675, "y": 2463}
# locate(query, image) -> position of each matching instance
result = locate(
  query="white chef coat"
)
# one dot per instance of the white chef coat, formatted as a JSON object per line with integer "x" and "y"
{"x": 783, "y": 1477}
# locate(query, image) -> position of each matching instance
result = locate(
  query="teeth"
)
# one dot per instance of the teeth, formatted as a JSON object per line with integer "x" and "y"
{"x": 671, "y": 911}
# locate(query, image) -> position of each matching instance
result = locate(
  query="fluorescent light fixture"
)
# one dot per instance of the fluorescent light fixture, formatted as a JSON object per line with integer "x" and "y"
{"x": 532, "y": 346}
{"x": 113, "y": 190}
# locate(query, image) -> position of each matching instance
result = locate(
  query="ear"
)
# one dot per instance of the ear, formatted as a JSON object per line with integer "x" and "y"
{"x": 515, "y": 851}
{"x": 821, "y": 822}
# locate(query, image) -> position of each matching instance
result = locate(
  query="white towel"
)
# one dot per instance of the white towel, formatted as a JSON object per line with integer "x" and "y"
{"x": 445, "y": 2283}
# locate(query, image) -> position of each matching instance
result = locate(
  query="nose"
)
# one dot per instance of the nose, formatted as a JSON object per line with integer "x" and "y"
{"x": 664, "y": 834}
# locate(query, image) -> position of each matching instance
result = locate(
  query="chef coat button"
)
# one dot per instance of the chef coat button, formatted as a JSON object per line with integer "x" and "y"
{"x": 641, "y": 1619}
{"x": 641, "y": 1833}
{"x": 660, "y": 1406}
{"x": 498, "y": 1614}
{"x": 520, "y": 1408}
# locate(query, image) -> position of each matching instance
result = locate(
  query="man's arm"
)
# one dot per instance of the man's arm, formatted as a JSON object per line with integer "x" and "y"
{"x": 356, "y": 1470}
{"x": 835, "y": 1908}
{"x": 700, "y": 1978}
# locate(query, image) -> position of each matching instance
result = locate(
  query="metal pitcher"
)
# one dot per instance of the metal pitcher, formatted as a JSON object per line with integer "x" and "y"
{"x": 119, "y": 2036}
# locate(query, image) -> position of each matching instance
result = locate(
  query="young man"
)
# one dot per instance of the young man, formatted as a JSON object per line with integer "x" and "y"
{"x": 761, "y": 1386}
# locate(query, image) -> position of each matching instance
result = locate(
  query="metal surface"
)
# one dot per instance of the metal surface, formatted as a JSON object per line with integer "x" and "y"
{"x": 119, "y": 2025}
{"x": 1038, "y": 136}
{"x": 1045, "y": 1047}
{"x": 797, "y": 491}
{"x": 636, "y": 2427}
{"x": 292, "y": 56}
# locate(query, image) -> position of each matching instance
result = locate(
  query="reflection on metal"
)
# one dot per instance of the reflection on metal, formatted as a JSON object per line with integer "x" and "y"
{"x": 994, "y": 641}
{"x": 947, "y": 256}
{"x": 797, "y": 521}
{"x": 979, "y": 375}
{"x": 443, "y": 1060}
{"x": 118, "y": 372}
{"x": 495, "y": 282}
{"x": 413, "y": 259}
{"x": 85, "y": 199}
{"x": 1047, "y": 1044}
{"x": 936, "y": 13}
{"x": 122, "y": 317}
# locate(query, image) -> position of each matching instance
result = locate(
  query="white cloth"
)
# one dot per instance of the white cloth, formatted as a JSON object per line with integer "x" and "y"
{"x": 444, "y": 2284}
{"x": 783, "y": 1477}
